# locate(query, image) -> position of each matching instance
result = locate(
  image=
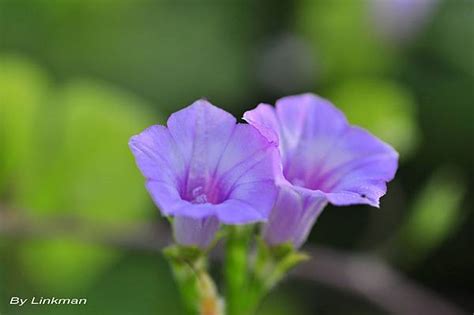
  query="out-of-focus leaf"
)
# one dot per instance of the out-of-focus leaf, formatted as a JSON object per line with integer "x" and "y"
{"x": 3, "y": 280}
{"x": 23, "y": 87}
{"x": 383, "y": 107}
{"x": 343, "y": 38}
{"x": 281, "y": 303}
{"x": 64, "y": 267}
{"x": 435, "y": 215}
{"x": 150, "y": 275}
{"x": 104, "y": 183}
{"x": 139, "y": 284}
{"x": 82, "y": 168}
{"x": 172, "y": 51}
{"x": 88, "y": 170}
{"x": 452, "y": 35}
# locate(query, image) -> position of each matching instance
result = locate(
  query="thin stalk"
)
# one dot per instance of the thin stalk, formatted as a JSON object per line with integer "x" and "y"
{"x": 236, "y": 269}
{"x": 197, "y": 289}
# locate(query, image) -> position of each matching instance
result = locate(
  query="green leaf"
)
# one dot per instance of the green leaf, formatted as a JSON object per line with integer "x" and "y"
{"x": 83, "y": 169}
{"x": 64, "y": 267}
{"x": 209, "y": 62}
{"x": 3, "y": 275}
{"x": 342, "y": 38}
{"x": 23, "y": 88}
{"x": 114, "y": 295}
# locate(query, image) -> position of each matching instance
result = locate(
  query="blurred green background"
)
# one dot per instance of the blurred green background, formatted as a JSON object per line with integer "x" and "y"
{"x": 79, "y": 77}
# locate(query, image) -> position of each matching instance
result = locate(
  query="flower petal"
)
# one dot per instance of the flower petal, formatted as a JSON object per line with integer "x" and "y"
{"x": 195, "y": 232}
{"x": 201, "y": 132}
{"x": 361, "y": 167}
{"x": 205, "y": 165}
{"x": 259, "y": 195}
{"x": 293, "y": 216}
{"x": 160, "y": 161}
{"x": 306, "y": 116}
{"x": 264, "y": 118}
{"x": 246, "y": 172}
{"x": 165, "y": 196}
{"x": 234, "y": 211}
{"x": 322, "y": 152}
{"x": 157, "y": 155}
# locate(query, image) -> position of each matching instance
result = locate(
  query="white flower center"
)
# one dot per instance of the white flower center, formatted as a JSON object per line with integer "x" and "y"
{"x": 198, "y": 195}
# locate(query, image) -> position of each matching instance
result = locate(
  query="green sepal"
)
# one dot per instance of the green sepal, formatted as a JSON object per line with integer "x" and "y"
{"x": 186, "y": 263}
{"x": 283, "y": 264}
{"x": 184, "y": 254}
{"x": 198, "y": 290}
{"x": 271, "y": 264}
{"x": 274, "y": 262}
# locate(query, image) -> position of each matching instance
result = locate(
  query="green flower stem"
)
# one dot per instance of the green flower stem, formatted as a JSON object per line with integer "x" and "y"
{"x": 271, "y": 265}
{"x": 187, "y": 285}
{"x": 196, "y": 287}
{"x": 236, "y": 269}
{"x": 210, "y": 302}
{"x": 247, "y": 284}
{"x": 257, "y": 288}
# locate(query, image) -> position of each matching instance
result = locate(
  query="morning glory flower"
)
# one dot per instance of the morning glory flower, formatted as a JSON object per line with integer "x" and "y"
{"x": 323, "y": 160}
{"x": 204, "y": 169}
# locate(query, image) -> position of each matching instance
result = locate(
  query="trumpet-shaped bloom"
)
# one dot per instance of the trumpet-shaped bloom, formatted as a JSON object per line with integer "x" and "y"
{"x": 204, "y": 169}
{"x": 323, "y": 159}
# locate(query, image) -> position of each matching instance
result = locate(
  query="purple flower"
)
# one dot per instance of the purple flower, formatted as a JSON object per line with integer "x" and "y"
{"x": 204, "y": 169}
{"x": 324, "y": 159}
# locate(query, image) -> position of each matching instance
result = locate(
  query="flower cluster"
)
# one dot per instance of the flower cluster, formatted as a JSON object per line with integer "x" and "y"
{"x": 205, "y": 170}
{"x": 282, "y": 168}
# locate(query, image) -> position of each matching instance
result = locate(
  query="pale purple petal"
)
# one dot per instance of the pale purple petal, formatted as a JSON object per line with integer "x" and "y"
{"x": 234, "y": 211}
{"x": 201, "y": 132}
{"x": 195, "y": 232}
{"x": 204, "y": 164}
{"x": 322, "y": 152}
{"x": 161, "y": 163}
{"x": 246, "y": 172}
{"x": 362, "y": 176}
{"x": 293, "y": 216}
{"x": 323, "y": 158}
{"x": 265, "y": 120}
